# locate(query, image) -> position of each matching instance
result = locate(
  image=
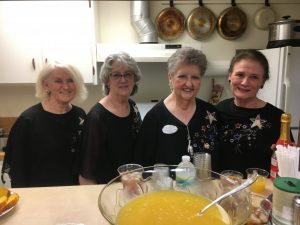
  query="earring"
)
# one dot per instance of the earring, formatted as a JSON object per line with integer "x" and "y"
{"x": 47, "y": 92}
{"x": 171, "y": 87}
{"x": 229, "y": 81}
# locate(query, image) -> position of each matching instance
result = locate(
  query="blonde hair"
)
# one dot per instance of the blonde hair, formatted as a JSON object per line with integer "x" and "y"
{"x": 49, "y": 69}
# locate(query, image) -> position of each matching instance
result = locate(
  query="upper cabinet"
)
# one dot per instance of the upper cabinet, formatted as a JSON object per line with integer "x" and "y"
{"x": 36, "y": 32}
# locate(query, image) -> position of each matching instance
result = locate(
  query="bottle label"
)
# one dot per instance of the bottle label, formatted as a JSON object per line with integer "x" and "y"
{"x": 274, "y": 162}
{"x": 273, "y": 175}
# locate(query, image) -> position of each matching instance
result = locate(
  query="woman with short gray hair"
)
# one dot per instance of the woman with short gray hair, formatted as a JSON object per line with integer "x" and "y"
{"x": 125, "y": 59}
{"x": 113, "y": 123}
{"x": 181, "y": 124}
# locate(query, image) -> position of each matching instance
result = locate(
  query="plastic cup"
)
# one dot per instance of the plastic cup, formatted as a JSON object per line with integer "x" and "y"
{"x": 131, "y": 178}
{"x": 233, "y": 175}
{"x": 130, "y": 173}
{"x": 129, "y": 167}
{"x": 259, "y": 185}
{"x": 202, "y": 162}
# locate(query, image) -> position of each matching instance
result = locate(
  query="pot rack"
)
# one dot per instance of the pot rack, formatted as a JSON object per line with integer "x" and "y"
{"x": 233, "y": 2}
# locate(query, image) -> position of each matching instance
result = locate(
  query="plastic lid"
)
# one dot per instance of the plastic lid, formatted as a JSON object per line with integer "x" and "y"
{"x": 287, "y": 184}
{"x": 186, "y": 158}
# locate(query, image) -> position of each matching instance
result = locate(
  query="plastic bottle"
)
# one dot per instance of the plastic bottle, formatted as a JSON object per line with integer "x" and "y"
{"x": 186, "y": 172}
{"x": 283, "y": 140}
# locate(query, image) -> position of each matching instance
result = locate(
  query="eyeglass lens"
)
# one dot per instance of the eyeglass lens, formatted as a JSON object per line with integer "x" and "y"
{"x": 117, "y": 75}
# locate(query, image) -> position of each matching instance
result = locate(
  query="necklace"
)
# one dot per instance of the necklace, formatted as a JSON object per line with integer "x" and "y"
{"x": 190, "y": 147}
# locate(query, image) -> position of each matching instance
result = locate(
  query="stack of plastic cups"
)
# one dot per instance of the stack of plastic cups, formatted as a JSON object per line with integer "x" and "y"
{"x": 202, "y": 162}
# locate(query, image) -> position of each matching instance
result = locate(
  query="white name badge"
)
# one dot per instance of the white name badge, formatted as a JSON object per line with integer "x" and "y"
{"x": 169, "y": 129}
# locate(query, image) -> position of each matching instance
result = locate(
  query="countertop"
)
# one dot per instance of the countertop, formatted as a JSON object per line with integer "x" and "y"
{"x": 56, "y": 206}
{"x": 65, "y": 205}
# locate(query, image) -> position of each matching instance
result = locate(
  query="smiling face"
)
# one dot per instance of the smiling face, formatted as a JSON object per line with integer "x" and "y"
{"x": 247, "y": 77}
{"x": 61, "y": 86}
{"x": 185, "y": 82}
{"x": 121, "y": 81}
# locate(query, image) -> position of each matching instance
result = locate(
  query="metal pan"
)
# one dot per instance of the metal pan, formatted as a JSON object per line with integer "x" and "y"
{"x": 232, "y": 23}
{"x": 170, "y": 23}
{"x": 264, "y": 16}
{"x": 201, "y": 23}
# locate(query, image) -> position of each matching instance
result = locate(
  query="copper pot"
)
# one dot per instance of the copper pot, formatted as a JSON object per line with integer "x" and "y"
{"x": 201, "y": 23}
{"x": 232, "y": 23}
{"x": 170, "y": 23}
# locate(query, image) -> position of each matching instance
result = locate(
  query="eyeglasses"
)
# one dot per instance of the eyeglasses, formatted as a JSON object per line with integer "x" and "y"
{"x": 117, "y": 76}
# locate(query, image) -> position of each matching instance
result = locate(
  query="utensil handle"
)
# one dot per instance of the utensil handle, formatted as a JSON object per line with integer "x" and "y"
{"x": 247, "y": 183}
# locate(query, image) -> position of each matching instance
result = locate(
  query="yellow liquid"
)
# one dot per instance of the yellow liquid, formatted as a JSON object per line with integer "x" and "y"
{"x": 171, "y": 208}
{"x": 259, "y": 185}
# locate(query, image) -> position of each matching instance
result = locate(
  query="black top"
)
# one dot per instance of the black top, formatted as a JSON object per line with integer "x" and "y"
{"x": 108, "y": 142}
{"x": 164, "y": 139}
{"x": 43, "y": 148}
{"x": 247, "y": 135}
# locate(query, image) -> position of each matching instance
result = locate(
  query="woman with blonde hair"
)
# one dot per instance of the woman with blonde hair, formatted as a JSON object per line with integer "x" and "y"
{"x": 43, "y": 144}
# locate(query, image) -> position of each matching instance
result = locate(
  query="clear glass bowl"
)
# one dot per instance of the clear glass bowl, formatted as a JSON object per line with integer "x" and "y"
{"x": 207, "y": 184}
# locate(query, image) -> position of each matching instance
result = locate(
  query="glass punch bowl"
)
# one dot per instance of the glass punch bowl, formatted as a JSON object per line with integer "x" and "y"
{"x": 208, "y": 184}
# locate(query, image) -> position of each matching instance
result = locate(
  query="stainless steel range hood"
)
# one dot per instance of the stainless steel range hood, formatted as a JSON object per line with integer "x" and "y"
{"x": 142, "y": 52}
{"x": 152, "y": 53}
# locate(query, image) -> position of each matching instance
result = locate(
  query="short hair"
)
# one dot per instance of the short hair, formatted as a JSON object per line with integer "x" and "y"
{"x": 187, "y": 56}
{"x": 126, "y": 60}
{"x": 254, "y": 55}
{"x": 49, "y": 69}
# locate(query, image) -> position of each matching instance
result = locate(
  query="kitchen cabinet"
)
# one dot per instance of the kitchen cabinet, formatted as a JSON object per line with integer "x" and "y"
{"x": 36, "y": 32}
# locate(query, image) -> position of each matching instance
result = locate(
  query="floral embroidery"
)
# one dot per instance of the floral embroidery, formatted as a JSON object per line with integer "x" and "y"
{"x": 81, "y": 121}
{"x": 205, "y": 138}
{"x": 211, "y": 117}
{"x": 245, "y": 132}
{"x": 137, "y": 121}
{"x": 257, "y": 122}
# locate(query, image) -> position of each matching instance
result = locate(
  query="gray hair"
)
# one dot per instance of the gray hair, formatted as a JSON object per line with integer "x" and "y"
{"x": 49, "y": 69}
{"x": 187, "y": 56}
{"x": 126, "y": 60}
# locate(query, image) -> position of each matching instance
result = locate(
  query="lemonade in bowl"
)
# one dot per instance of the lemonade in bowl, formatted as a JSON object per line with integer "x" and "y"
{"x": 154, "y": 197}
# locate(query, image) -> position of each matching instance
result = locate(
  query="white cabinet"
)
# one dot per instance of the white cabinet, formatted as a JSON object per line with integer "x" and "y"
{"x": 34, "y": 32}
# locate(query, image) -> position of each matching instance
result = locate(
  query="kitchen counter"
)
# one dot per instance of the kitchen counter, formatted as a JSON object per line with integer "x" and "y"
{"x": 62, "y": 206}
{"x": 56, "y": 206}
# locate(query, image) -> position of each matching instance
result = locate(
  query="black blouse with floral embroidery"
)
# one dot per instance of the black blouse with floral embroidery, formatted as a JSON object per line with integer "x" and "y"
{"x": 164, "y": 139}
{"x": 246, "y": 135}
{"x": 108, "y": 142}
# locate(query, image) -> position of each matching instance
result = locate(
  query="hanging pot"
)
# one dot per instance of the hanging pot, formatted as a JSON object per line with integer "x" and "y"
{"x": 170, "y": 23}
{"x": 284, "y": 33}
{"x": 232, "y": 22}
{"x": 201, "y": 22}
{"x": 264, "y": 16}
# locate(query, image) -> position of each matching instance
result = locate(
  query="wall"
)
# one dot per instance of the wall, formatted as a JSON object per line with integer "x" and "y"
{"x": 113, "y": 25}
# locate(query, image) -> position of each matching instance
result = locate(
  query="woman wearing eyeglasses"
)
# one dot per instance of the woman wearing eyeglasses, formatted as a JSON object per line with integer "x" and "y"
{"x": 181, "y": 124}
{"x": 113, "y": 123}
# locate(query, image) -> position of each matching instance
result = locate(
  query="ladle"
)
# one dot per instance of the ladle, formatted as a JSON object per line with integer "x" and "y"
{"x": 247, "y": 183}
